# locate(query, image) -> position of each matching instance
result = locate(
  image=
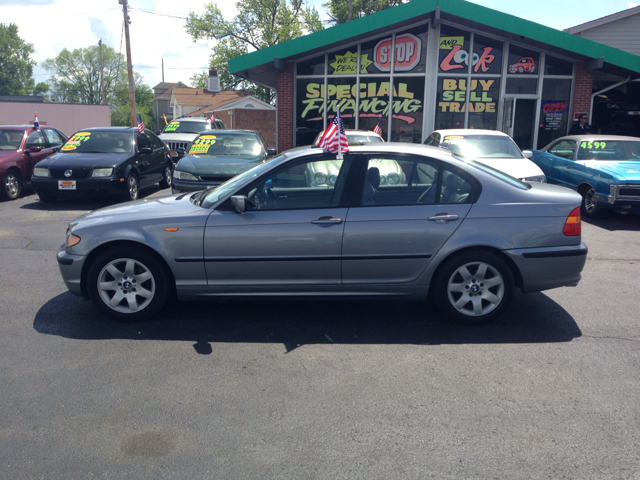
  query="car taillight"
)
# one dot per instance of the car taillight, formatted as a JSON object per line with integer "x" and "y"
{"x": 572, "y": 227}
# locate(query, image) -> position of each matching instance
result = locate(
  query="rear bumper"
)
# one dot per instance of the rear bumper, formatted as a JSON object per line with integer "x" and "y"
{"x": 549, "y": 267}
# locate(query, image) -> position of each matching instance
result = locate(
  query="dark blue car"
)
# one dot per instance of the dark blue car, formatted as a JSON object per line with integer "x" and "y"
{"x": 604, "y": 169}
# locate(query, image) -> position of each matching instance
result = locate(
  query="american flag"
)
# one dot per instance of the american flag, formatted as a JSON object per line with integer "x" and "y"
{"x": 378, "y": 128}
{"x": 334, "y": 138}
{"x": 212, "y": 118}
{"x": 140, "y": 128}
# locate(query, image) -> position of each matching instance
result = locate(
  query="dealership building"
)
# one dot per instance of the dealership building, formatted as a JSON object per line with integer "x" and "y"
{"x": 435, "y": 64}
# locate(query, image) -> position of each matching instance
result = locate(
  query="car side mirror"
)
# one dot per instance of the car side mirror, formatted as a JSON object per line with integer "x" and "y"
{"x": 239, "y": 203}
{"x": 527, "y": 153}
{"x": 158, "y": 132}
{"x": 272, "y": 151}
{"x": 145, "y": 151}
{"x": 180, "y": 151}
{"x": 34, "y": 149}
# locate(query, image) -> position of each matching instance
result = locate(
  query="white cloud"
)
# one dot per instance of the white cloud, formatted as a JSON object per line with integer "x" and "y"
{"x": 68, "y": 24}
{"x": 632, "y": 4}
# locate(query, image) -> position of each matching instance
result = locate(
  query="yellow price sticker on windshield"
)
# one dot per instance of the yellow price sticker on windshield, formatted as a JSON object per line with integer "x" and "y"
{"x": 208, "y": 137}
{"x": 198, "y": 149}
{"x": 68, "y": 147}
{"x": 594, "y": 145}
{"x": 172, "y": 126}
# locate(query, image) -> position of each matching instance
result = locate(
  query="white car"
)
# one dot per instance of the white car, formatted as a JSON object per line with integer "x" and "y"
{"x": 495, "y": 149}
{"x": 180, "y": 132}
{"x": 321, "y": 174}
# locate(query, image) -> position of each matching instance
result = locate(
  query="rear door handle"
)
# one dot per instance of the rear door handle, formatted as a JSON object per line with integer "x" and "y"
{"x": 327, "y": 221}
{"x": 443, "y": 218}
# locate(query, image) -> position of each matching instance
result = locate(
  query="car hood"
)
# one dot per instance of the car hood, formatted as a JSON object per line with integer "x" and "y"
{"x": 224, "y": 164}
{"x": 172, "y": 206}
{"x": 628, "y": 171}
{"x": 84, "y": 160}
{"x": 178, "y": 137}
{"x": 516, "y": 167}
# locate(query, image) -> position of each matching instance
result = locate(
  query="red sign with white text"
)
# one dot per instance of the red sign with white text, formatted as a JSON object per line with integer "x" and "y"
{"x": 408, "y": 50}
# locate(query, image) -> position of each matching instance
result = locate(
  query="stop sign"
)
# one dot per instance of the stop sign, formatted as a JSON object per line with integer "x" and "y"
{"x": 408, "y": 49}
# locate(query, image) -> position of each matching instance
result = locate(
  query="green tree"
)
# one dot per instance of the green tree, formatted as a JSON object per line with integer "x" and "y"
{"x": 338, "y": 10}
{"x": 75, "y": 75}
{"x": 16, "y": 65}
{"x": 144, "y": 97}
{"x": 259, "y": 24}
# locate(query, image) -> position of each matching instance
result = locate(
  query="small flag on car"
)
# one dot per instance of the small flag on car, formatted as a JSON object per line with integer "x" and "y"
{"x": 140, "y": 128}
{"x": 212, "y": 118}
{"x": 36, "y": 122}
{"x": 334, "y": 138}
{"x": 378, "y": 128}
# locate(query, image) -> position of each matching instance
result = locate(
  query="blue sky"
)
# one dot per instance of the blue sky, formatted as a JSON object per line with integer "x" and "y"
{"x": 51, "y": 25}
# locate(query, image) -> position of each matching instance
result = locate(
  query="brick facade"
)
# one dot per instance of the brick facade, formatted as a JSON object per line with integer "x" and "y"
{"x": 582, "y": 91}
{"x": 285, "y": 109}
{"x": 263, "y": 121}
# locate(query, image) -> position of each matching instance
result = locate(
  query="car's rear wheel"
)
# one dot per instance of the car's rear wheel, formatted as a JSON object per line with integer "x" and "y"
{"x": 11, "y": 185}
{"x": 132, "y": 188}
{"x": 590, "y": 206}
{"x": 474, "y": 287}
{"x": 128, "y": 284}
{"x": 167, "y": 177}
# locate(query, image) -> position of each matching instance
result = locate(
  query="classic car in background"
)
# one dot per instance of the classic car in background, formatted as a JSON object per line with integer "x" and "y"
{"x": 21, "y": 148}
{"x": 493, "y": 148}
{"x": 604, "y": 169}
{"x": 102, "y": 162}
{"x": 215, "y": 157}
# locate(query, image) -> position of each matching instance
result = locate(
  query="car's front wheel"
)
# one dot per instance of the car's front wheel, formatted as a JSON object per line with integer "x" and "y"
{"x": 132, "y": 188}
{"x": 591, "y": 208}
{"x": 11, "y": 185}
{"x": 474, "y": 287}
{"x": 128, "y": 284}
{"x": 167, "y": 177}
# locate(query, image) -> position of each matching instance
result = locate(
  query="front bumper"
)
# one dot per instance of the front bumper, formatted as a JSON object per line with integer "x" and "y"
{"x": 85, "y": 187}
{"x": 180, "y": 186}
{"x": 549, "y": 267}
{"x": 71, "y": 270}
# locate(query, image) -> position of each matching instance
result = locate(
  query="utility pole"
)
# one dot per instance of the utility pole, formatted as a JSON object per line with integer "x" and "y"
{"x": 101, "y": 74}
{"x": 132, "y": 95}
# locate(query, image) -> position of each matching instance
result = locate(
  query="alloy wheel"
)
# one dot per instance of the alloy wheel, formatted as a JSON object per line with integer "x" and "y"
{"x": 475, "y": 289}
{"x": 126, "y": 285}
{"x": 12, "y": 185}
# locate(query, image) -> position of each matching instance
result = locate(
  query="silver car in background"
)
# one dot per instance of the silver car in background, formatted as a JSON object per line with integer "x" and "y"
{"x": 463, "y": 232}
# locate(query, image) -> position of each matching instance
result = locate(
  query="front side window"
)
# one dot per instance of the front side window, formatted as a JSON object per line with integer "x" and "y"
{"x": 54, "y": 137}
{"x": 564, "y": 148}
{"x": 316, "y": 183}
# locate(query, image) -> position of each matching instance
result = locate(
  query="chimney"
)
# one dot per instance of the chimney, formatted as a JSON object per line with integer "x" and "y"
{"x": 213, "y": 82}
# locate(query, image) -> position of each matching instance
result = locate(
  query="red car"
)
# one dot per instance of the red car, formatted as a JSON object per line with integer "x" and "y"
{"x": 525, "y": 64}
{"x": 21, "y": 147}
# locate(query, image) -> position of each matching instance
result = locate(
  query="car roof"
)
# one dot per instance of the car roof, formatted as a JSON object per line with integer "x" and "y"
{"x": 470, "y": 131}
{"x": 580, "y": 138}
{"x": 231, "y": 132}
{"x": 191, "y": 119}
{"x": 22, "y": 127}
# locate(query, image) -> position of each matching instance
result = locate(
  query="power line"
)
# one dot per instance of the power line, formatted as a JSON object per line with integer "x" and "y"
{"x": 156, "y": 13}
{"x": 170, "y": 68}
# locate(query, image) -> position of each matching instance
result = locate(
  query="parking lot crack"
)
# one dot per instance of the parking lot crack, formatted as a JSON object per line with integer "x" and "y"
{"x": 612, "y": 338}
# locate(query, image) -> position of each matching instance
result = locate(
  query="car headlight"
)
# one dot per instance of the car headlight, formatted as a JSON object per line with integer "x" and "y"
{"x": 102, "y": 172}
{"x": 536, "y": 178}
{"x": 40, "y": 172}
{"x": 184, "y": 176}
{"x": 393, "y": 178}
{"x": 320, "y": 178}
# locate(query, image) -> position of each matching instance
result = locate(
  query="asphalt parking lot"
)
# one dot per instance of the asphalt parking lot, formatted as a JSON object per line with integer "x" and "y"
{"x": 323, "y": 389}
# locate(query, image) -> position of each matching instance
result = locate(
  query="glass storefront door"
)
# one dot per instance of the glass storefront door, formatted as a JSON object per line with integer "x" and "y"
{"x": 518, "y": 120}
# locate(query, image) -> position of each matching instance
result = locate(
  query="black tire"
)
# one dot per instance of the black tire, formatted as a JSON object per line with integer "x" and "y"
{"x": 139, "y": 280}
{"x": 132, "y": 188}
{"x": 520, "y": 70}
{"x": 11, "y": 185}
{"x": 167, "y": 176}
{"x": 487, "y": 286}
{"x": 591, "y": 208}
{"x": 46, "y": 197}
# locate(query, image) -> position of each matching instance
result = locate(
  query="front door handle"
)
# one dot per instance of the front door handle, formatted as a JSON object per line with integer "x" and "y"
{"x": 443, "y": 218}
{"x": 327, "y": 221}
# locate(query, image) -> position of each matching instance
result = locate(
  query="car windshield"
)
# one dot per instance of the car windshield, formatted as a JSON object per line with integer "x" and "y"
{"x": 613, "y": 150}
{"x": 211, "y": 145}
{"x": 10, "y": 139}
{"x": 482, "y": 146}
{"x": 186, "y": 127}
{"x": 363, "y": 139}
{"x": 97, "y": 141}
{"x": 215, "y": 194}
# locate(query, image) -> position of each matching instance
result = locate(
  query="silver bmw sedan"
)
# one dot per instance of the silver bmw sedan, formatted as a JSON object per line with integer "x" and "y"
{"x": 463, "y": 232}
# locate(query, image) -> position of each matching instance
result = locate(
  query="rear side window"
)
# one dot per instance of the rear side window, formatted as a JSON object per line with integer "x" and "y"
{"x": 399, "y": 180}
{"x": 564, "y": 149}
